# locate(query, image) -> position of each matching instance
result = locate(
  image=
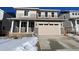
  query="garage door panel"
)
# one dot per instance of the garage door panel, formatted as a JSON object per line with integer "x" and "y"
{"x": 49, "y": 30}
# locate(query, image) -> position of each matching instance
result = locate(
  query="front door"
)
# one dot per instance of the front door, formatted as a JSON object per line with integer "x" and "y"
{"x": 24, "y": 26}
{"x": 31, "y": 26}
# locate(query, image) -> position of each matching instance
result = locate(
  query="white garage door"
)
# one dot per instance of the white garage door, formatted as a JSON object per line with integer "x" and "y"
{"x": 49, "y": 29}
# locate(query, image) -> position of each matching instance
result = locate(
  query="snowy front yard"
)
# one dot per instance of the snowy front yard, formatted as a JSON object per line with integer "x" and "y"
{"x": 21, "y": 44}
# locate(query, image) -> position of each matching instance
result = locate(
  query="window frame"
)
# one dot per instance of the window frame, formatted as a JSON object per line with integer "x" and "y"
{"x": 46, "y": 14}
{"x": 52, "y": 14}
{"x": 26, "y": 13}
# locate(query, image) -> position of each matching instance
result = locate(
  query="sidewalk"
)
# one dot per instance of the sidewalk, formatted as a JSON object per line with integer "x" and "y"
{"x": 75, "y": 37}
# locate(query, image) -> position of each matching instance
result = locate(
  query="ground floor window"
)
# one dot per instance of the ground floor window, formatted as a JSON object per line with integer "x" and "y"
{"x": 16, "y": 26}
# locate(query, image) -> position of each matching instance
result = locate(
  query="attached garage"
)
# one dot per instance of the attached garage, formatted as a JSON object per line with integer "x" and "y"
{"x": 49, "y": 28}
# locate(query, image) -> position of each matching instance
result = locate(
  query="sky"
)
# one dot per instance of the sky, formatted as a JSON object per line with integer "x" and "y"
{"x": 12, "y": 10}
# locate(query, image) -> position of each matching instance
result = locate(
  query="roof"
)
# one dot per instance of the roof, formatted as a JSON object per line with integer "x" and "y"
{"x": 48, "y": 10}
{"x": 60, "y": 8}
{"x": 24, "y": 8}
{"x": 31, "y": 8}
{"x": 47, "y": 19}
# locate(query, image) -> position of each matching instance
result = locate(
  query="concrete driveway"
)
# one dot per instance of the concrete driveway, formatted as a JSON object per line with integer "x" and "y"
{"x": 59, "y": 43}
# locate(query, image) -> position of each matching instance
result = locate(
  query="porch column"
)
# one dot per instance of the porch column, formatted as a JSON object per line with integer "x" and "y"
{"x": 76, "y": 26}
{"x": 12, "y": 26}
{"x": 27, "y": 26}
{"x": 71, "y": 24}
{"x": 20, "y": 27}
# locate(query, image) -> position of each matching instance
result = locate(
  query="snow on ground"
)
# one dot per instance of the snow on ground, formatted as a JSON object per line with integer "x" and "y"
{"x": 21, "y": 44}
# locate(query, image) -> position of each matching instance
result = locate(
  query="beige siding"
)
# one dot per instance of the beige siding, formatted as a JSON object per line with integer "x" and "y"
{"x": 32, "y": 14}
{"x": 55, "y": 15}
{"x": 20, "y": 13}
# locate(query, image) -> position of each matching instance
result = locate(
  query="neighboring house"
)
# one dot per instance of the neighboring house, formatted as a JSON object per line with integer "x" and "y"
{"x": 1, "y": 19}
{"x": 36, "y": 21}
{"x": 74, "y": 17}
{"x": 67, "y": 24}
{"x": 1, "y": 14}
{"x": 4, "y": 23}
{"x": 73, "y": 20}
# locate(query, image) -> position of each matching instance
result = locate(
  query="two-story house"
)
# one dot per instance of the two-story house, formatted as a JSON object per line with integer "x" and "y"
{"x": 36, "y": 21}
{"x": 74, "y": 17}
{"x": 5, "y": 24}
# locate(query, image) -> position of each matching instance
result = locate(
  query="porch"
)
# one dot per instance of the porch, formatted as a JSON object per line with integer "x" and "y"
{"x": 22, "y": 28}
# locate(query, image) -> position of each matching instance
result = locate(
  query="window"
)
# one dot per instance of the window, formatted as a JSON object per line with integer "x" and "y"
{"x": 40, "y": 24}
{"x": 51, "y": 24}
{"x": 55, "y": 24}
{"x": 72, "y": 13}
{"x": 23, "y": 24}
{"x": 64, "y": 17}
{"x": 52, "y": 14}
{"x": 75, "y": 13}
{"x": 45, "y": 24}
{"x": 39, "y": 14}
{"x": 26, "y": 13}
{"x": 46, "y": 14}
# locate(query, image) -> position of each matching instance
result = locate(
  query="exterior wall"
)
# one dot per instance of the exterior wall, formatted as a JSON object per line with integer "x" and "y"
{"x": 55, "y": 15}
{"x": 34, "y": 14}
{"x": 6, "y": 24}
{"x": 74, "y": 16}
{"x": 42, "y": 15}
{"x": 31, "y": 14}
{"x": 1, "y": 14}
{"x": 19, "y": 13}
{"x": 49, "y": 15}
{"x": 78, "y": 28}
{"x": 77, "y": 25}
{"x": 64, "y": 16}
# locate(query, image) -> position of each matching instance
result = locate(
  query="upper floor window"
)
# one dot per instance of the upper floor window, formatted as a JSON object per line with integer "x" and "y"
{"x": 72, "y": 13}
{"x": 39, "y": 14}
{"x": 52, "y": 14}
{"x": 64, "y": 17}
{"x": 46, "y": 14}
{"x": 26, "y": 13}
{"x": 75, "y": 13}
